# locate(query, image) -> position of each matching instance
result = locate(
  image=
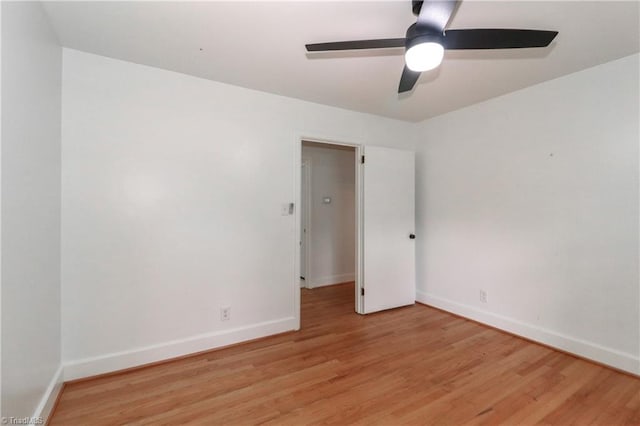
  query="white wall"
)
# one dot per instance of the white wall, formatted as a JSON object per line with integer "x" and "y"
{"x": 171, "y": 194}
{"x": 31, "y": 90}
{"x": 533, "y": 197}
{"x": 332, "y": 231}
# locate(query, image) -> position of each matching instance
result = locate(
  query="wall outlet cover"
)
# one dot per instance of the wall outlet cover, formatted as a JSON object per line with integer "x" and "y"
{"x": 225, "y": 313}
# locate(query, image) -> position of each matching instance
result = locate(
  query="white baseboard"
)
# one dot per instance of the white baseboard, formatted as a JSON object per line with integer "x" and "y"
{"x": 44, "y": 408}
{"x": 140, "y": 356}
{"x": 332, "y": 279}
{"x": 593, "y": 351}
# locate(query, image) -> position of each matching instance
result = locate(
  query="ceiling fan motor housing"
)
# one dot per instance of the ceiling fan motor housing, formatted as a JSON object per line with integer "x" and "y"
{"x": 420, "y": 34}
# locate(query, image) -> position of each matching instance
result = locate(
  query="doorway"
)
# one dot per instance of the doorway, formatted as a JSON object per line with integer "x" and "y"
{"x": 328, "y": 214}
{"x": 329, "y": 225}
{"x": 384, "y": 223}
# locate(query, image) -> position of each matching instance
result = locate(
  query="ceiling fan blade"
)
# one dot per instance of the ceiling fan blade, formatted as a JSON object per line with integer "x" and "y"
{"x": 496, "y": 38}
{"x": 408, "y": 80}
{"x": 436, "y": 14}
{"x": 383, "y": 43}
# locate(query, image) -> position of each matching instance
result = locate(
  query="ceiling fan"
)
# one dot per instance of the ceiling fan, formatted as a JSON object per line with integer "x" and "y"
{"x": 427, "y": 39}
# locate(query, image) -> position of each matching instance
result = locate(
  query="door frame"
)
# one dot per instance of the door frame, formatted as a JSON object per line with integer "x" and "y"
{"x": 305, "y": 236}
{"x": 297, "y": 170}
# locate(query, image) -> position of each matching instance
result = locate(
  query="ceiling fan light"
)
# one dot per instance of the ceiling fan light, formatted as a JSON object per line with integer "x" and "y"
{"x": 424, "y": 56}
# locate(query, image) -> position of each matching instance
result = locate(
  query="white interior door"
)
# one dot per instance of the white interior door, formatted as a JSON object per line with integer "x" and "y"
{"x": 388, "y": 228}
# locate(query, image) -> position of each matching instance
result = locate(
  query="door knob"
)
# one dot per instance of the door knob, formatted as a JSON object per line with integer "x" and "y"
{"x": 412, "y": 236}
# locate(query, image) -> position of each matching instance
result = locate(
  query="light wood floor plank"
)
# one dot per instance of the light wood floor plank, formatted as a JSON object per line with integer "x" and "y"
{"x": 413, "y": 365}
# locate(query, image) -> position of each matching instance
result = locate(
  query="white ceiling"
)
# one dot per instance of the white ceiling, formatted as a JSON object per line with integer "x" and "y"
{"x": 260, "y": 45}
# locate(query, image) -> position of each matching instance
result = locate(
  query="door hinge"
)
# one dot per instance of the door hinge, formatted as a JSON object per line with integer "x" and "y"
{"x": 362, "y": 160}
{"x": 362, "y": 291}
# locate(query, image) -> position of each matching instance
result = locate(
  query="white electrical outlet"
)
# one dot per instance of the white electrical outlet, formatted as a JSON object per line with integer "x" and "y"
{"x": 483, "y": 296}
{"x": 225, "y": 313}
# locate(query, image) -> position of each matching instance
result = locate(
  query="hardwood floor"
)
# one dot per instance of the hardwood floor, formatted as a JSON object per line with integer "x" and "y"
{"x": 413, "y": 365}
